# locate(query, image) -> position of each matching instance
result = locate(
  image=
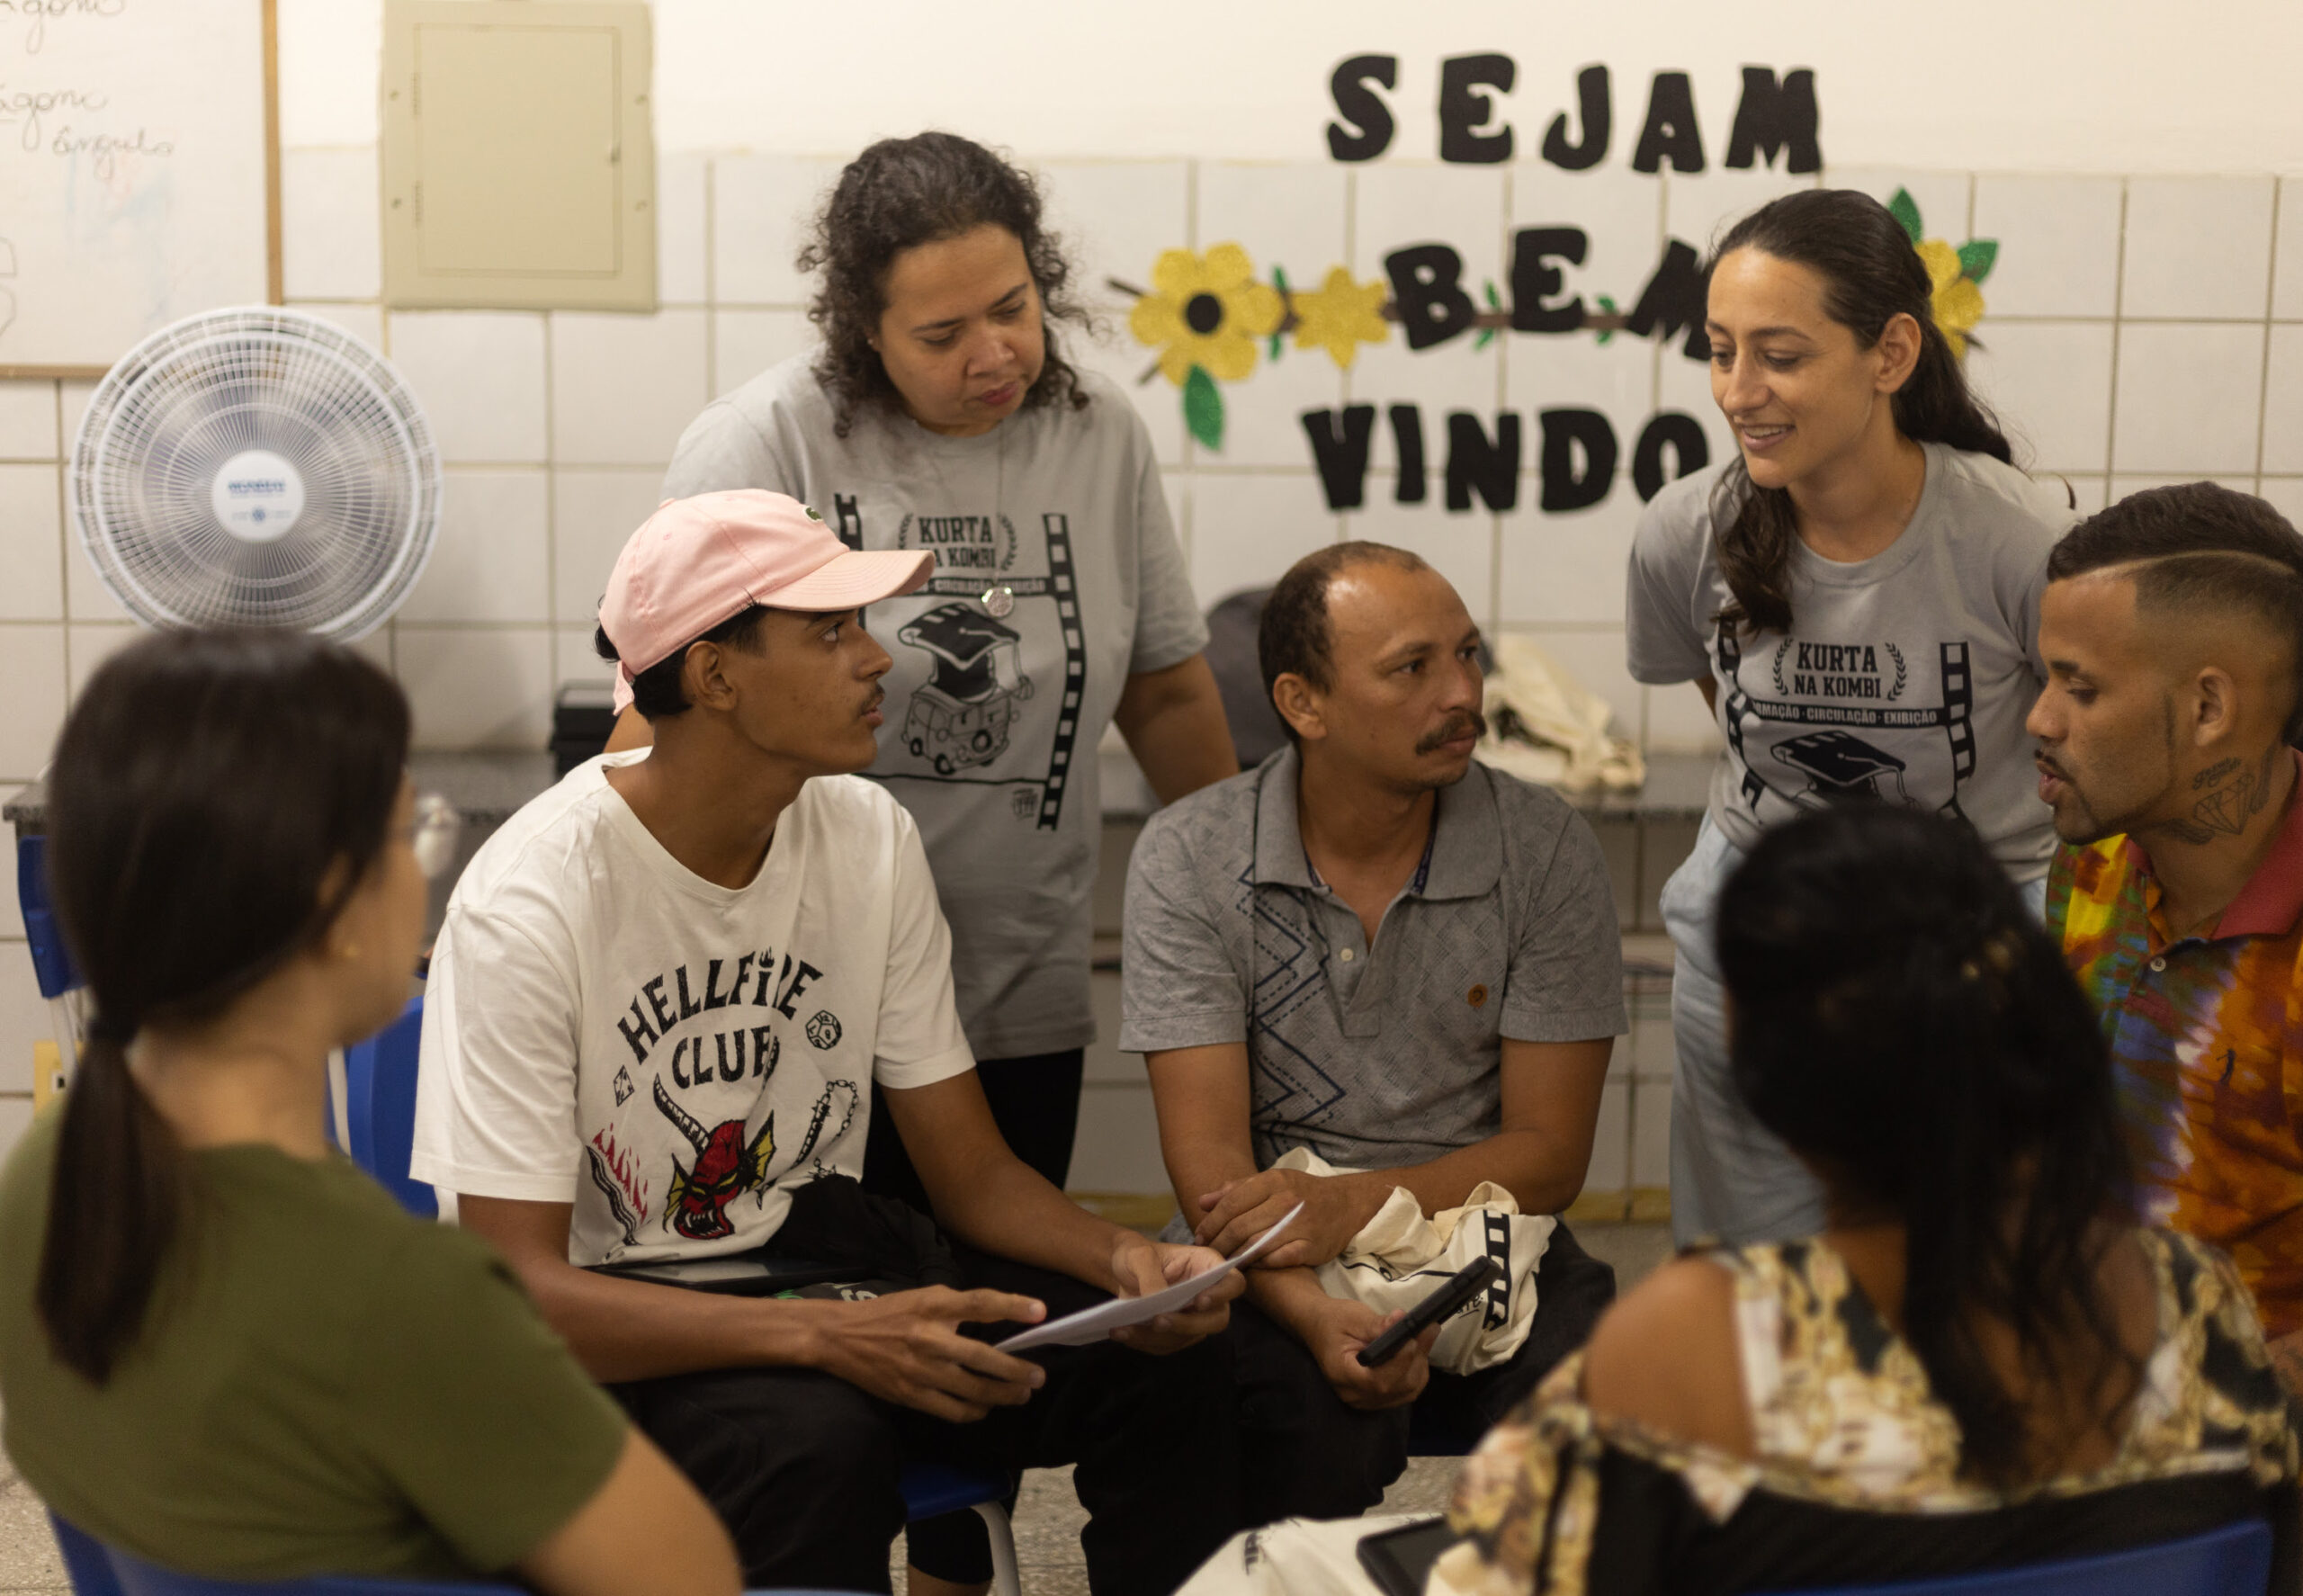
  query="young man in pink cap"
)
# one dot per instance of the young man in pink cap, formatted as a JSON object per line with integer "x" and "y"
{"x": 658, "y": 1006}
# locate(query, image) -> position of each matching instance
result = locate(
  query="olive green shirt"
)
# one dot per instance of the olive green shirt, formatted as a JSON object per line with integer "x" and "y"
{"x": 323, "y": 1384}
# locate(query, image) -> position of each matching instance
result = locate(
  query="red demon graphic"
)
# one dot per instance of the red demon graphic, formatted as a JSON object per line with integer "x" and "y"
{"x": 725, "y": 1169}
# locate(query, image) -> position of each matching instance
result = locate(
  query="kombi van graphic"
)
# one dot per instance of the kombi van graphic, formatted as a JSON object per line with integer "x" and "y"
{"x": 961, "y": 716}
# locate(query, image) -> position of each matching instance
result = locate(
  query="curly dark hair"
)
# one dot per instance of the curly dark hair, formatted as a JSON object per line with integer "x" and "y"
{"x": 903, "y": 193}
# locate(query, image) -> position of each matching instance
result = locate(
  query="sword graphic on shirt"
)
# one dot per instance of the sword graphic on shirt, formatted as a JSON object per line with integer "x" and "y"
{"x": 1836, "y": 762}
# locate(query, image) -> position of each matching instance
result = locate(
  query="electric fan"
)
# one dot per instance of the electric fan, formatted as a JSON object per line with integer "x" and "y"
{"x": 256, "y": 467}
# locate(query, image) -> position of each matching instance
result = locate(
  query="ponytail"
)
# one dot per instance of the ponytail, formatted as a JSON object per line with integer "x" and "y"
{"x": 208, "y": 788}
{"x": 114, "y": 1206}
{"x": 1871, "y": 275}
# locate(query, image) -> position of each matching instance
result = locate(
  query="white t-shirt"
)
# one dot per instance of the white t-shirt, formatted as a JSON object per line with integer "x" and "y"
{"x": 1057, "y": 576}
{"x": 605, "y": 1026}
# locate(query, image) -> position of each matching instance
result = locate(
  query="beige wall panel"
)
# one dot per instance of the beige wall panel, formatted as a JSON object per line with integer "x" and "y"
{"x": 518, "y": 156}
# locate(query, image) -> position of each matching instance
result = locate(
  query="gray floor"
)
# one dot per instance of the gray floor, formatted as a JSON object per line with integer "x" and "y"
{"x": 1047, "y": 1517}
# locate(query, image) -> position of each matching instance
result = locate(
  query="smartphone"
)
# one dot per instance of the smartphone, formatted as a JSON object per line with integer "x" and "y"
{"x": 1448, "y": 1295}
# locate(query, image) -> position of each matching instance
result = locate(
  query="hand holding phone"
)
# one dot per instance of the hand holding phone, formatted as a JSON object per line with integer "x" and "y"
{"x": 1448, "y": 1295}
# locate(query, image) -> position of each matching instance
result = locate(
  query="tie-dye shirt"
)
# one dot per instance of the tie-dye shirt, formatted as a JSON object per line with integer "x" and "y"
{"x": 2206, "y": 1035}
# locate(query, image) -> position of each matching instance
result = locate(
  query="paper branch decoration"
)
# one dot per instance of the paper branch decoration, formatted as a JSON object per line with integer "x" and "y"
{"x": 1206, "y": 314}
{"x": 1957, "y": 274}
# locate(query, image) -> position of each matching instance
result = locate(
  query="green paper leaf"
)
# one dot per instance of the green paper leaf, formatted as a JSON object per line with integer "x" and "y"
{"x": 1279, "y": 281}
{"x": 1976, "y": 257}
{"x": 1203, "y": 408}
{"x": 1486, "y": 336}
{"x": 1279, "y": 278}
{"x": 1274, "y": 341}
{"x": 1905, "y": 210}
{"x": 1607, "y": 305}
{"x": 1494, "y": 300}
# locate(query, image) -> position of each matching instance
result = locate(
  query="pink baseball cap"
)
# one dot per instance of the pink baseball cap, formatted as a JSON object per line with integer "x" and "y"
{"x": 697, "y": 561}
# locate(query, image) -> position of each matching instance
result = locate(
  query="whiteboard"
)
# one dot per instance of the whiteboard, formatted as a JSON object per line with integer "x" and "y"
{"x": 138, "y": 173}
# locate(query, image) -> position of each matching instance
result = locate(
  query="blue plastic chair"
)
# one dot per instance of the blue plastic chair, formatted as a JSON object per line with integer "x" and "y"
{"x": 379, "y": 1134}
{"x": 2233, "y": 1560}
{"x": 99, "y": 1570}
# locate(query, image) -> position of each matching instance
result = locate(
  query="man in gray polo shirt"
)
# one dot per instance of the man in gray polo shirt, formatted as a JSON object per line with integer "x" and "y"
{"x": 1375, "y": 948}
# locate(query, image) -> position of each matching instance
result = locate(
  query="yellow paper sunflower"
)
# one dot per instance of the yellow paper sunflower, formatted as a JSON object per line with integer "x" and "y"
{"x": 1340, "y": 315}
{"x": 1957, "y": 302}
{"x": 1206, "y": 310}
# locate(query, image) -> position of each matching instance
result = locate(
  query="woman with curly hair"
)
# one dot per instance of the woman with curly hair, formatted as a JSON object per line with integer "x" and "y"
{"x": 939, "y": 412}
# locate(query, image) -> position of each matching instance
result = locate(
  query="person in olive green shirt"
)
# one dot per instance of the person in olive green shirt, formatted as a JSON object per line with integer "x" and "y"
{"x": 222, "y": 1347}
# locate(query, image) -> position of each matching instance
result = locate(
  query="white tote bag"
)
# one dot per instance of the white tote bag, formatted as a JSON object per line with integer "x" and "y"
{"x": 1400, "y": 1257}
{"x": 1294, "y": 1557}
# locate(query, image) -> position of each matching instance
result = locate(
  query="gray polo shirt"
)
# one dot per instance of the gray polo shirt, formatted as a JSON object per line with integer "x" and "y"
{"x": 1371, "y": 1058}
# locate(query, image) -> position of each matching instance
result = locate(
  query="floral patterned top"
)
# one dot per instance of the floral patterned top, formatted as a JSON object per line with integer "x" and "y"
{"x": 1856, "y": 1476}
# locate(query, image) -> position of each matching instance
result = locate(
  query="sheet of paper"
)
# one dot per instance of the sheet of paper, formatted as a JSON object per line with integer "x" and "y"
{"x": 1096, "y": 1323}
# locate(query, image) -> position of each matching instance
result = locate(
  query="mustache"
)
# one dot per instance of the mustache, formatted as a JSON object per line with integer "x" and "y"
{"x": 1472, "y": 723}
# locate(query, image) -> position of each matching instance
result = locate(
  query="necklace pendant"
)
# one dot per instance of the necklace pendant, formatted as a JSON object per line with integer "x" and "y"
{"x": 999, "y": 602}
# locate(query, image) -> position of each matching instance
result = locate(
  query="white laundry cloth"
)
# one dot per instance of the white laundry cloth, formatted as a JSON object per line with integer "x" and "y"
{"x": 1400, "y": 1257}
{"x": 1544, "y": 726}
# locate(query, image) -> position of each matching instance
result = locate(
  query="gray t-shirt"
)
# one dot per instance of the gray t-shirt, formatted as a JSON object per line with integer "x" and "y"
{"x": 1057, "y": 576}
{"x": 1371, "y": 1058}
{"x": 1907, "y": 674}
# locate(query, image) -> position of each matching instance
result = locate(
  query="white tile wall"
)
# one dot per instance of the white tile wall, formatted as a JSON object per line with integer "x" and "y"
{"x": 32, "y": 662}
{"x": 480, "y": 375}
{"x": 1248, "y": 528}
{"x": 593, "y": 512}
{"x": 683, "y": 228}
{"x": 328, "y": 236}
{"x": 28, "y": 421}
{"x": 623, "y": 387}
{"x": 760, "y": 204}
{"x": 484, "y": 687}
{"x": 2059, "y": 244}
{"x": 31, "y": 554}
{"x": 490, "y": 561}
{"x": 2051, "y": 383}
{"x": 2287, "y": 261}
{"x": 2198, "y": 246}
{"x": 2138, "y": 330}
{"x": 1115, "y": 216}
{"x": 1567, "y": 566}
{"x": 746, "y": 343}
{"x": 2188, "y": 396}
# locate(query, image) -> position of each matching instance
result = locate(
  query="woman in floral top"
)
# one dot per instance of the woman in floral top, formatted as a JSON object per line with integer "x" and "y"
{"x": 1978, "y": 1363}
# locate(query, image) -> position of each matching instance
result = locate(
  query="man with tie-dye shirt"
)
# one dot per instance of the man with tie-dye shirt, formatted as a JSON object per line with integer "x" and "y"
{"x": 2172, "y": 630}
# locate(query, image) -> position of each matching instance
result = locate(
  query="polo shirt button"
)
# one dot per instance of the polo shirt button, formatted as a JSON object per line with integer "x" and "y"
{"x": 2159, "y": 963}
{"x": 1345, "y": 955}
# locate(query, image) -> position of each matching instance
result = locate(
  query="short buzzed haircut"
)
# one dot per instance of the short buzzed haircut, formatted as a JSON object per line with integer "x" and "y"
{"x": 1293, "y": 636}
{"x": 2201, "y": 550}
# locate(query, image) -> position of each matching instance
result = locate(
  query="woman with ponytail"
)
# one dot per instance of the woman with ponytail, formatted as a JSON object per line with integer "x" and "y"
{"x": 1979, "y": 1362}
{"x": 222, "y": 1347}
{"x": 1856, "y": 593}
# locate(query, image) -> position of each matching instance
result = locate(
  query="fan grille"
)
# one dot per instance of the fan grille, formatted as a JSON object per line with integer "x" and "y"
{"x": 190, "y": 398}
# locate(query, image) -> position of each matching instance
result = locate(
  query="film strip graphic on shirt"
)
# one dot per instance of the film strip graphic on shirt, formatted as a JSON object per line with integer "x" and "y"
{"x": 1062, "y": 584}
{"x": 1835, "y": 761}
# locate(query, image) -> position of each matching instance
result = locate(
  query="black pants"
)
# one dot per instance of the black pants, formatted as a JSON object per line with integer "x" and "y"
{"x": 802, "y": 1466}
{"x": 1305, "y": 1453}
{"x": 1035, "y": 1103}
